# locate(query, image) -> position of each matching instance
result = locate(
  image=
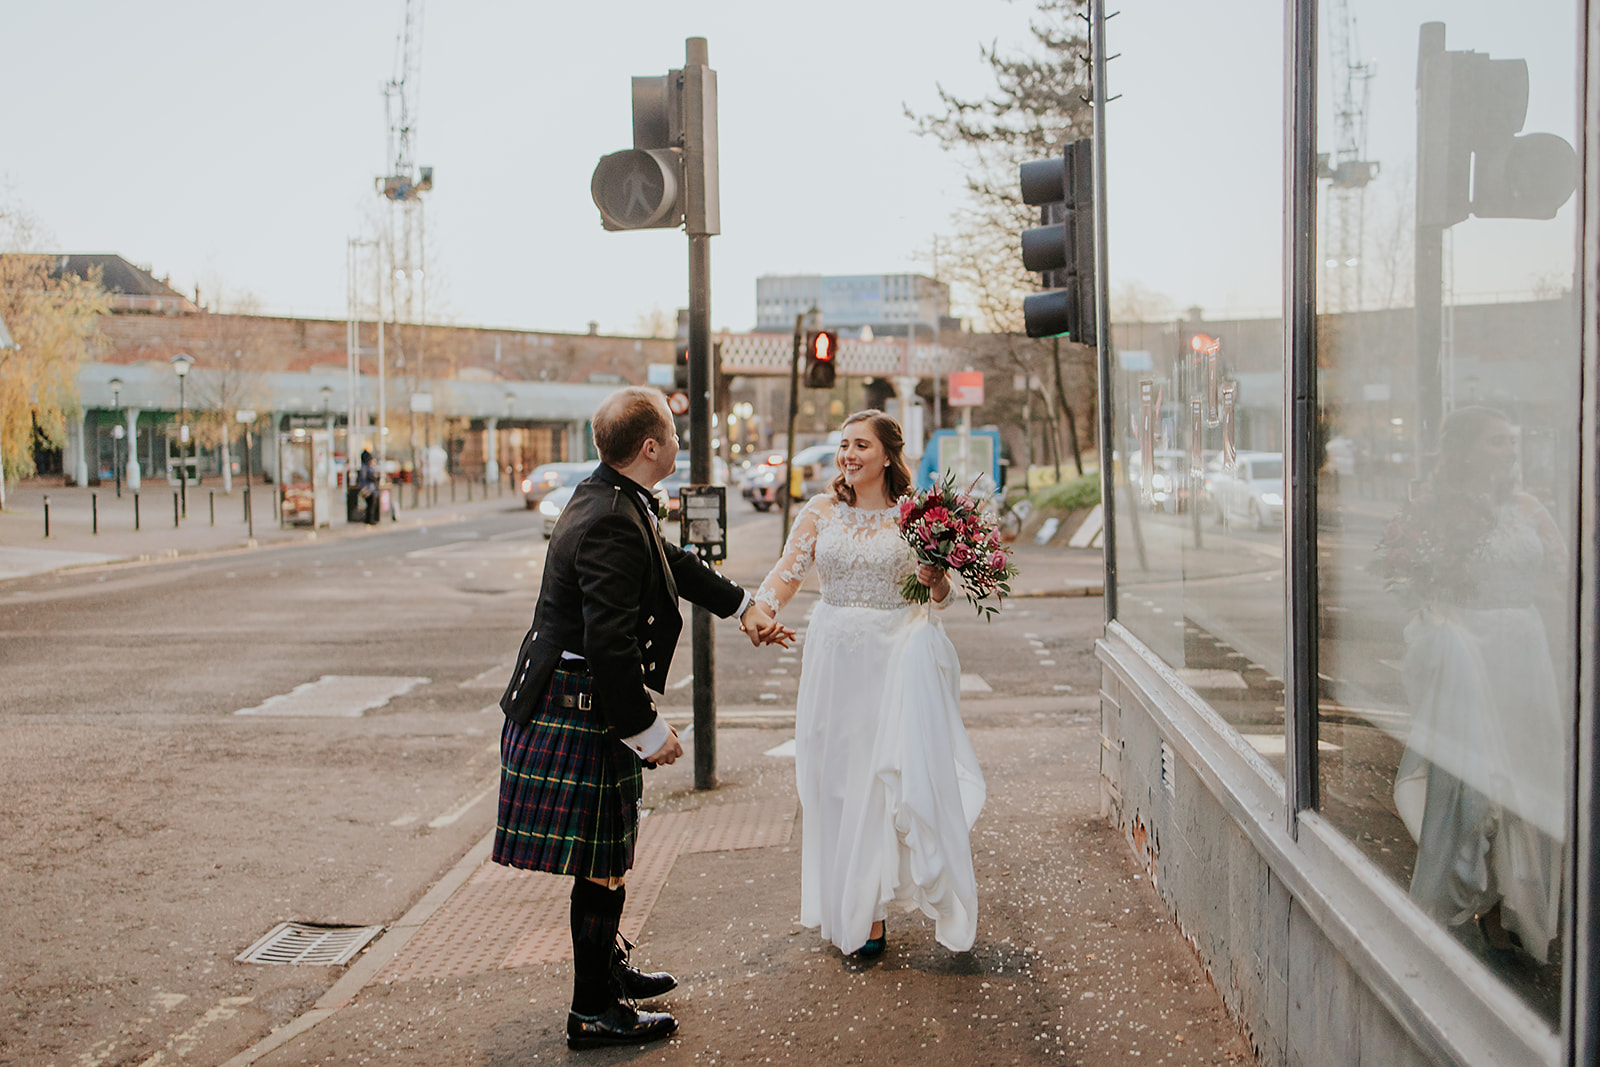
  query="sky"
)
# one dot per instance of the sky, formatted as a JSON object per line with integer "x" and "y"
{"x": 235, "y": 145}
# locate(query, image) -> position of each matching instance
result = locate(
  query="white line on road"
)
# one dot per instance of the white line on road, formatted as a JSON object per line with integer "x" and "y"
{"x": 681, "y": 682}
{"x": 452, "y": 816}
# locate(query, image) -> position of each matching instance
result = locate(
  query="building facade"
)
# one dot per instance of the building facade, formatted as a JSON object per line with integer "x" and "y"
{"x": 1348, "y": 702}
{"x": 890, "y": 304}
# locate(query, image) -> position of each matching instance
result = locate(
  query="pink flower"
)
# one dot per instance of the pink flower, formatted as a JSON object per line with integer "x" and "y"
{"x": 997, "y": 561}
{"x": 959, "y": 555}
{"x": 938, "y": 516}
{"x": 907, "y": 506}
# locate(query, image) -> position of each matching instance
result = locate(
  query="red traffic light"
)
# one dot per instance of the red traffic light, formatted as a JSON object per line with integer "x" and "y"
{"x": 822, "y": 346}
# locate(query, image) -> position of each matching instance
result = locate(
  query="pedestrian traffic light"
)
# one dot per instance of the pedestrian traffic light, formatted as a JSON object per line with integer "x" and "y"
{"x": 1471, "y": 158}
{"x": 643, "y": 187}
{"x": 822, "y": 350}
{"x": 1061, "y": 247}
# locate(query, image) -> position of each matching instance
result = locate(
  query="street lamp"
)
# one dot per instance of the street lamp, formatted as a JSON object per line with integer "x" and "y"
{"x": 512, "y": 468}
{"x": 116, "y": 433}
{"x": 181, "y": 364}
{"x": 327, "y": 421}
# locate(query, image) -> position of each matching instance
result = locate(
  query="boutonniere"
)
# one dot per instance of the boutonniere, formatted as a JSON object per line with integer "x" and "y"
{"x": 661, "y": 508}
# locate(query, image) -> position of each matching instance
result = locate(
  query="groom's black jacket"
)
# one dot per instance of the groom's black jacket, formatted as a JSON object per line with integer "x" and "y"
{"x": 610, "y": 594}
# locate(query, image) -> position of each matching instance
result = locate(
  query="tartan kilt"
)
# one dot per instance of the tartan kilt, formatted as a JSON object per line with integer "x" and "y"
{"x": 569, "y": 791}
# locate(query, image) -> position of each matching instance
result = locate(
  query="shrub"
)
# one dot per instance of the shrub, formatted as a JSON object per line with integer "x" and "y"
{"x": 1081, "y": 492}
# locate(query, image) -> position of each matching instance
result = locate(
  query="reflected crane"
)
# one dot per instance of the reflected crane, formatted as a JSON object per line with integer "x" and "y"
{"x": 1345, "y": 170}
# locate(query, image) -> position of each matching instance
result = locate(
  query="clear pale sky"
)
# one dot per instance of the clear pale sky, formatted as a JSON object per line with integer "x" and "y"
{"x": 236, "y": 144}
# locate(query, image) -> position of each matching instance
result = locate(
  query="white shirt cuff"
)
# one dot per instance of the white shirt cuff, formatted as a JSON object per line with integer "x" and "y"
{"x": 744, "y": 605}
{"x": 649, "y": 742}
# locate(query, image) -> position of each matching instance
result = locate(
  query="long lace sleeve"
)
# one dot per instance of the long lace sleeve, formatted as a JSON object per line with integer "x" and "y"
{"x": 789, "y": 573}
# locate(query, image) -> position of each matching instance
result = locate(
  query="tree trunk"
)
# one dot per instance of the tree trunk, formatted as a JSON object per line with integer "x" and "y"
{"x": 1066, "y": 408}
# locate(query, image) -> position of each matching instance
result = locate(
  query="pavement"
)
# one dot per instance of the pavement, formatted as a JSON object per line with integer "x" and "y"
{"x": 1077, "y": 961}
{"x": 92, "y": 525}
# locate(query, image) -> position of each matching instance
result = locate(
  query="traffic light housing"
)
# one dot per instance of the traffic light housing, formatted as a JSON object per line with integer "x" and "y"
{"x": 822, "y": 353}
{"x": 1061, "y": 247}
{"x": 1472, "y": 158}
{"x": 642, "y": 188}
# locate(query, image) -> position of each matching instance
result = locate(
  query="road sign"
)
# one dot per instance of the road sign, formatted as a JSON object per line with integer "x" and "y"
{"x": 966, "y": 389}
{"x": 245, "y": 415}
{"x": 422, "y": 402}
{"x": 678, "y": 403}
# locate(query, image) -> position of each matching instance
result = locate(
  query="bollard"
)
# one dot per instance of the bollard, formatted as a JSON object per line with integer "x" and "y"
{"x": 47, "y": 516}
{"x": 136, "y": 509}
{"x": 249, "y": 516}
{"x": 452, "y": 489}
{"x": 469, "y": 491}
{"x": 174, "y": 511}
{"x": 94, "y": 513}
{"x": 212, "y": 493}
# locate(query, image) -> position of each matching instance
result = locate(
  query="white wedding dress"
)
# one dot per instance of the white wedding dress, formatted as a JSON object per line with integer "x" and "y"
{"x": 888, "y": 781}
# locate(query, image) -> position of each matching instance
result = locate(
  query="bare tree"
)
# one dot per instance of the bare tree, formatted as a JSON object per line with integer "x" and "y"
{"x": 1038, "y": 106}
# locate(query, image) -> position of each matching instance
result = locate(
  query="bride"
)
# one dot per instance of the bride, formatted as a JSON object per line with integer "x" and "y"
{"x": 889, "y": 785}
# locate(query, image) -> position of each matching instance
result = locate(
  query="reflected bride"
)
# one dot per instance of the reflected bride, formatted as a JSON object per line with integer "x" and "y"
{"x": 1474, "y": 557}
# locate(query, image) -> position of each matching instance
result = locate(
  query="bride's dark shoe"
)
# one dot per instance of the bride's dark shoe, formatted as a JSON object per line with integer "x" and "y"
{"x": 875, "y": 945}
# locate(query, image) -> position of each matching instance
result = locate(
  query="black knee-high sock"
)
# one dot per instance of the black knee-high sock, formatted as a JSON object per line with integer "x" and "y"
{"x": 596, "y": 912}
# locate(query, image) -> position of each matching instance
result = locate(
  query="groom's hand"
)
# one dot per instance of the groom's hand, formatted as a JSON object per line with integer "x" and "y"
{"x": 762, "y": 629}
{"x": 668, "y": 752}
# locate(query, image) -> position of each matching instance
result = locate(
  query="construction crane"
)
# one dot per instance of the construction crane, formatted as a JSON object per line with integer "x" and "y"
{"x": 1345, "y": 169}
{"x": 405, "y": 240}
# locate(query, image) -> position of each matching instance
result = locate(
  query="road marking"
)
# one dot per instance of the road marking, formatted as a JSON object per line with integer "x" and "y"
{"x": 974, "y": 683}
{"x": 681, "y": 682}
{"x": 768, "y": 696}
{"x": 488, "y": 678}
{"x": 184, "y": 1043}
{"x": 1047, "y": 663}
{"x": 781, "y": 751}
{"x": 455, "y": 814}
{"x": 340, "y": 696}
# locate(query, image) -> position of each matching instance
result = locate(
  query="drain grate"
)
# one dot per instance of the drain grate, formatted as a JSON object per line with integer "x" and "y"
{"x": 309, "y": 943}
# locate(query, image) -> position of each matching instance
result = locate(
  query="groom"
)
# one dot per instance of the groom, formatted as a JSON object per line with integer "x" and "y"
{"x": 580, "y": 721}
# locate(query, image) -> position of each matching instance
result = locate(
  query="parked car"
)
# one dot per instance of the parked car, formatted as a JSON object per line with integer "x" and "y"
{"x": 543, "y": 479}
{"x": 553, "y": 504}
{"x": 1252, "y": 492}
{"x": 816, "y": 466}
{"x": 759, "y": 483}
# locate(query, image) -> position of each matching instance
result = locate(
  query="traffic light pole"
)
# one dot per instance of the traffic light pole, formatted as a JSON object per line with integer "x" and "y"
{"x": 701, "y": 220}
{"x": 794, "y": 410}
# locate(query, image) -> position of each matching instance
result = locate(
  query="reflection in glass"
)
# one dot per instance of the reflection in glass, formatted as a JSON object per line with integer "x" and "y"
{"x": 1474, "y": 557}
{"x": 1448, "y": 373}
{"x": 1198, "y": 373}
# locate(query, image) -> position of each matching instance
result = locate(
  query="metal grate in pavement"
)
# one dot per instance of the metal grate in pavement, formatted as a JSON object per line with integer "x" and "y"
{"x": 503, "y": 917}
{"x": 758, "y": 824}
{"x": 309, "y": 943}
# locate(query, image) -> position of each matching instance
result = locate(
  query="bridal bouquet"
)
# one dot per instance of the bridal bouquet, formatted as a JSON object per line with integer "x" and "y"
{"x": 946, "y": 528}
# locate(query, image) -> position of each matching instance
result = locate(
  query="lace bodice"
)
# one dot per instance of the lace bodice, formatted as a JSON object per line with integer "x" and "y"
{"x": 859, "y": 555}
{"x": 1517, "y": 559}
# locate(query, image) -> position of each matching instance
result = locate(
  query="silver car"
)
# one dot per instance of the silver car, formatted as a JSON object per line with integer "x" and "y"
{"x": 548, "y": 476}
{"x": 1251, "y": 493}
{"x": 553, "y": 504}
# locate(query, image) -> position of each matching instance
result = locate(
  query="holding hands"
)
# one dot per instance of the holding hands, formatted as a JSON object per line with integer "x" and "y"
{"x": 758, "y": 624}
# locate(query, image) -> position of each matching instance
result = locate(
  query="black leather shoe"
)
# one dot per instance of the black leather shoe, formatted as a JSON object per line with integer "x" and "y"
{"x": 641, "y": 985}
{"x": 617, "y": 1025}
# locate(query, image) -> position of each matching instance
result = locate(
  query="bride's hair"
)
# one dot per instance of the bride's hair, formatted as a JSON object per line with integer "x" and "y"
{"x": 897, "y": 476}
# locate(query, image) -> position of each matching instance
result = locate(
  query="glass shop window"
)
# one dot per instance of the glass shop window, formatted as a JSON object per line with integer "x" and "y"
{"x": 1448, "y": 348}
{"x": 1195, "y": 194}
